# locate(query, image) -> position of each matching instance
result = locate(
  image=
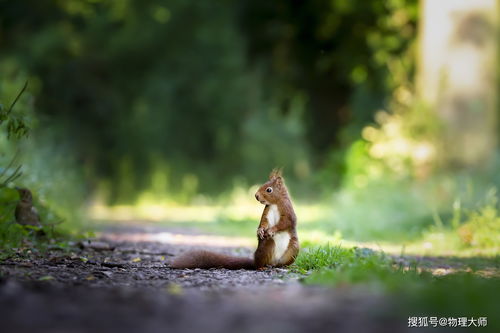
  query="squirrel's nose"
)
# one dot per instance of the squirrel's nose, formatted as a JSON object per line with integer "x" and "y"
{"x": 257, "y": 196}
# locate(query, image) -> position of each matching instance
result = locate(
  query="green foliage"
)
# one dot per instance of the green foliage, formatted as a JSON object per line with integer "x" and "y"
{"x": 14, "y": 236}
{"x": 152, "y": 82}
{"x": 414, "y": 290}
{"x": 346, "y": 264}
{"x": 60, "y": 196}
{"x": 382, "y": 210}
{"x": 325, "y": 256}
{"x": 9, "y": 173}
{"x": 30, "y": 161}
{"x": 181, "y": 102}
{"x": 481, "y": 227}
{"x": 402, "y": 145}
{"x": 54, "y": 230}
{"x": 335, "y": 265}
{"x": 166, "y": 87}
{"x": 345, "y": 57}
{"x": 15, "y": 124}
{"x": 396, "y": 186}
{"x": 406, "y": 210}
{"x": 12, "y": 125}
{"x": 11, "y": 233}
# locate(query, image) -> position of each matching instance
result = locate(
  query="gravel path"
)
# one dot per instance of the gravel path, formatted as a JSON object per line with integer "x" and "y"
{"x": 122, "y": 283}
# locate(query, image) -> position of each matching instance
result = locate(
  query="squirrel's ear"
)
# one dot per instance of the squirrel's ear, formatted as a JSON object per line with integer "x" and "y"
{"x": 276, "y": 173}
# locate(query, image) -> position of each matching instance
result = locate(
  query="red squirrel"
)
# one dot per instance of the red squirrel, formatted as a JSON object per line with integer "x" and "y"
{"x": 277, "y": 235}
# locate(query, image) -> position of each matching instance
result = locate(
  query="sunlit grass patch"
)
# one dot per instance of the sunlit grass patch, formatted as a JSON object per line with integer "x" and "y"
{"x": 415, "y": 289}
{"x": 338, "y": 264}
{"x": 335, "y": 264}
{"x": 326, "y": 256}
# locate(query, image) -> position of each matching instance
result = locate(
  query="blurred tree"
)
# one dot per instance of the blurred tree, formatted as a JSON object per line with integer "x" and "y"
{"x": 129, "y": 81}
{"x": 134, "y": 87}
{"x": 346, "y": 57}
{"x": 457, "y": 77}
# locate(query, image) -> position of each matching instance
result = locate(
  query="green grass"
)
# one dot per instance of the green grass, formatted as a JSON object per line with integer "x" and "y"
{"x": 415, "y": 291}
{"x": 16, "y": 239}
{"x": 19, "y": 240}
{"x": 336, "y": 265}
{"x": 320, "y": 257}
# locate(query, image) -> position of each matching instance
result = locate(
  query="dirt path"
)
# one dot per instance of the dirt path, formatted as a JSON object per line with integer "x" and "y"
{"x": 122, "y": 283}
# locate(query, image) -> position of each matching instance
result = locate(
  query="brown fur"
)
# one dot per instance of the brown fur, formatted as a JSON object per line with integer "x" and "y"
{"x": 264, "y": 253}
{"x": 206, "y": 259}
{"x": 287, "y": 222}
{"x": 263, "y": 257}
{"x": 25, "y": 212}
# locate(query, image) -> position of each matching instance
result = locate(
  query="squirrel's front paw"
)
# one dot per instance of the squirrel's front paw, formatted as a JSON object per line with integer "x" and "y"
{"x": 269, "y": 233}
{"x": 260, "y": 233}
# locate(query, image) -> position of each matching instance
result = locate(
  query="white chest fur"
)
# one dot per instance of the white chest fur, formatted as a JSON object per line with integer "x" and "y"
{"x": 281, "y": 239}
{"x": 273, "y": 215}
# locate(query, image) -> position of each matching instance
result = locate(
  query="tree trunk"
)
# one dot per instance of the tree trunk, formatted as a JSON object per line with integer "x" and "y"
{"x": 458, "y": 67}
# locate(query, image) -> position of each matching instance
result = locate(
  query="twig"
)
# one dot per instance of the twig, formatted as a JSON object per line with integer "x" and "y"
{"x": 10, "y": 164}
{"x": 17, "y": 98}
{"x": 16, "y": 174}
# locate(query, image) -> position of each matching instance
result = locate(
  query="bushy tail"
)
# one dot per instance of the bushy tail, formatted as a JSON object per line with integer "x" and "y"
{"x": 206, "y": 259}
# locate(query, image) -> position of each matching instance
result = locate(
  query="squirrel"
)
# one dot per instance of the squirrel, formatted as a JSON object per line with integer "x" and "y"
{"x": 278, "y": 244}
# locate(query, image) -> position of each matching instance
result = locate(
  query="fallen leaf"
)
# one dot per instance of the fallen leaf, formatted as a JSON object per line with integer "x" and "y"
{"x": 136, "y": 259}
{"x": 46, "y": 278}
{"x": 175, "y": 289}
{"x": 90, "y": 278}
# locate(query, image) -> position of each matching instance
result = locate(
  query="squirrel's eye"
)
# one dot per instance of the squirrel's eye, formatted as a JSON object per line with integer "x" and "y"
{"x": 269, "y": 190}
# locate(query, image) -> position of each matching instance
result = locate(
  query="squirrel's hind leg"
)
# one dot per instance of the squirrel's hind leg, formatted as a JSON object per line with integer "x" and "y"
{"x": 264, "y": 253}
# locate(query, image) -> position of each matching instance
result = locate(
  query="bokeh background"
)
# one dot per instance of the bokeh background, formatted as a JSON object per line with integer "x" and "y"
{"x": 383, "y": 114}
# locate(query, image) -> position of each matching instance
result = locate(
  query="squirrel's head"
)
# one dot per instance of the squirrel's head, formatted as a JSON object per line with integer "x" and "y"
{"x": 24, "y": 194}
{"x": 273, "y": 190}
